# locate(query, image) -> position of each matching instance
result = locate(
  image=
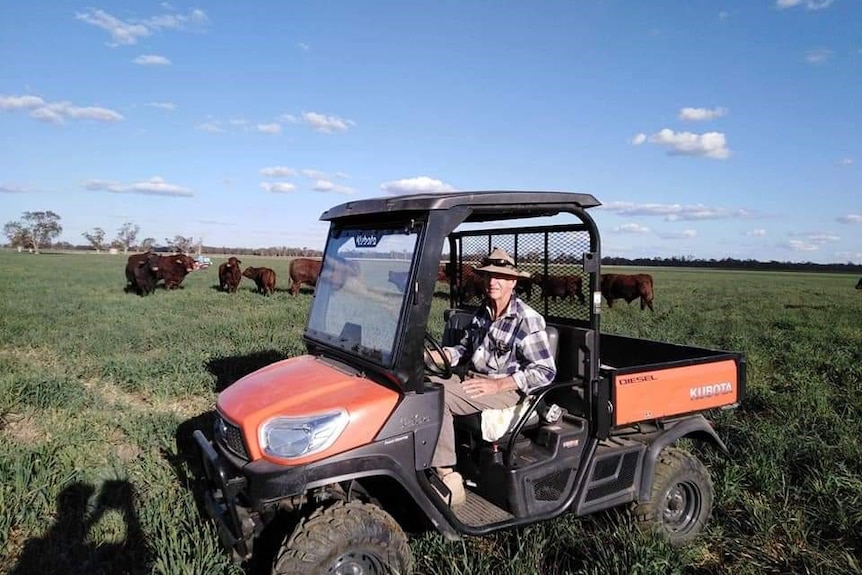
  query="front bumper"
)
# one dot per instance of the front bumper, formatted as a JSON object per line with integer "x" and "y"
{"x": 221, "y": 500}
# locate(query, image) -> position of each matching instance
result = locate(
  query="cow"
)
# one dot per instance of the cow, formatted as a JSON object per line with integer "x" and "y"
{"x": 141, "y": 273}
{"x": 859, "y": 284}
{"x": 470, "y": 283}
{"x": 229, "y": 275}
{"x": 303, "y": 271}
{"x": 562, "y": 287}
{"x": 264, "y": 278}
{"x": 399, "y": 279}
{"x": 628, "y": 287}
{"x": 307, "y": 271}
{"x": 174, "y": 268}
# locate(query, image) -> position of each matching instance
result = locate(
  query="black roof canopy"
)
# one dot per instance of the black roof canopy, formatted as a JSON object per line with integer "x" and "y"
{"x": 484, "y": 205}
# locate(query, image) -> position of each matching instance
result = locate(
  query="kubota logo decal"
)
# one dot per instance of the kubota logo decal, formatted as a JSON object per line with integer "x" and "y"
{"x": 711, "y": 390}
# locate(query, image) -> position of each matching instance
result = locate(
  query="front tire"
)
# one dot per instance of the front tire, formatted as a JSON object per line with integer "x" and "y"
{"x": 680, "y": 502}
{"x": 345, "y": 539}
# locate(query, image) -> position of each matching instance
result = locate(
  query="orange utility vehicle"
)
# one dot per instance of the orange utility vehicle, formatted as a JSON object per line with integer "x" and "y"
{"x": 329, "y": 452}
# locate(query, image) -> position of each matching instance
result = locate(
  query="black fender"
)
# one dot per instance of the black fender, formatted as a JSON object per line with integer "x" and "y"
{"x": 695, "y": 427}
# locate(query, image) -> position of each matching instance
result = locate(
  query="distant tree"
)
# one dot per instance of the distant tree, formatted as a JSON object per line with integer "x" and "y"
{"x": 126, "y": 236}
{"x": 33, "y": 230}
{"x": 181, "y": 243}
{"x": 147, "y": 244}
{"x": 96, "y": 237}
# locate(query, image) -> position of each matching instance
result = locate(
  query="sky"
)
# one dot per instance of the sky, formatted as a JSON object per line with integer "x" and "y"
{"x": 707, "y": 128}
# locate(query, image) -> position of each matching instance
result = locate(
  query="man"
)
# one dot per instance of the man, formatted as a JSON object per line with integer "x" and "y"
{"x": 508, "y": 354}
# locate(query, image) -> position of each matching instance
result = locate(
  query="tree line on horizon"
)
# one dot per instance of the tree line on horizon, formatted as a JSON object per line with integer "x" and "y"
{"x": 36, "y": 231}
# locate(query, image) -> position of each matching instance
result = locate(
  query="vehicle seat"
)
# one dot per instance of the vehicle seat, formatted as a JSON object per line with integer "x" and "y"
{"x": 473, "y": 422}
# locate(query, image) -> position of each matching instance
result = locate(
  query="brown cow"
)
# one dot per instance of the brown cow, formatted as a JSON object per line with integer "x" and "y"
{"x": 174, "y": 268}
{"x": 264, "y": 278}
{"x": 859, "y": 284}
{"x": 141, "y": 272}
{"x": 470, "y": 283}
{"x": 229, "y": 275}
{"x": 562, "y": 287}
{"x": 628, "y": 287}
{"x": 303, "y": 271}
{"x": 306, "y": 270}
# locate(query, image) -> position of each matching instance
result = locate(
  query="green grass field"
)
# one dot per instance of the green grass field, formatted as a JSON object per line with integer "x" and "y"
{"x": 95, "y": 385}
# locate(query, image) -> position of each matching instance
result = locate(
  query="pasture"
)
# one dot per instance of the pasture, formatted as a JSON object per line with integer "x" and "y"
{"x": 99, "y": 390}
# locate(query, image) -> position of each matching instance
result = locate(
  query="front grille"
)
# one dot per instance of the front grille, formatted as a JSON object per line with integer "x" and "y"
{"x": 231, "y": 437}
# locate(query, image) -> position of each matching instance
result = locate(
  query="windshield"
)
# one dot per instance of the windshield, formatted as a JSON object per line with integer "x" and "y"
{"x": 361, "y": 290}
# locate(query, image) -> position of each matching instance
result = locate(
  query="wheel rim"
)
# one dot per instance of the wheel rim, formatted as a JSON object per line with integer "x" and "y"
{"x": 682, "y": 507}
{"x": 359, "y": 562}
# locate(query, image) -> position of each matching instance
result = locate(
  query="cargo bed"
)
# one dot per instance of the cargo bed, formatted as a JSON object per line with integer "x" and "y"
{"x": 652, "y": 379}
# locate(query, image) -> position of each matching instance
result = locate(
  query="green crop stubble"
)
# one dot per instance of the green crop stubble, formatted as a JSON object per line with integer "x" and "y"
{"x": 94, "y": 384}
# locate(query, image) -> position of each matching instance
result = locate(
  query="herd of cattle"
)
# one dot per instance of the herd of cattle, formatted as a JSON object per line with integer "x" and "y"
{"x": 554, "y": 287}
{"x": 144, "y": 271}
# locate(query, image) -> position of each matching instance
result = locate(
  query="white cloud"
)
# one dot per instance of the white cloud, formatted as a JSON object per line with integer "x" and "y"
{"x": 681, "y": 235}
{"x": 155, "y": 186}
{"x": 211, "y": 127}
{"x": 808, "y": 4}
{"x": 758, "y": 233}
{"x": 328, "y": 186}
{"x": 315, "y": 174}
{"x": 269, "y": 128}
{"x": 846, "y": 162}
{"x": 709, "y": 145}
{"x": 151, "y": 60}
{"x": 304, "y": 47}
{"x": 326, "y": 124}
{"x": 632, "y": 229}
{"x": 418, "y": 185}
{"x": 701, "y": 114}
{"x": 800, "y": 246}
{"x": 129, "y": 32}
{"x": 676, "y": 212}
{"x": 851, "y": 219}
{"x": 170, "y": 106}
{"x": 278, "y": 187}
{"x": 277, "y": 172}
{"x": 13, "y": 189}
{"x": 638, "y": 139}
{"x": 57, "y": 112}
{"x": 818, "y": 55}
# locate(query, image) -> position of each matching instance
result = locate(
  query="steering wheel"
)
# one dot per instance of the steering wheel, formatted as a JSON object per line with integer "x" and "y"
{"x": 436, "y": 361}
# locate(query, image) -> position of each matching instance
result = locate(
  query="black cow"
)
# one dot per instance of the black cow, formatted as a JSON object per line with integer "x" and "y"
{"x": 142, "y": 273}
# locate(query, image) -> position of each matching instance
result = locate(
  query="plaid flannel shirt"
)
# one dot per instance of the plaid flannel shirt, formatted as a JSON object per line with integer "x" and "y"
{"x": 516, "y": 345}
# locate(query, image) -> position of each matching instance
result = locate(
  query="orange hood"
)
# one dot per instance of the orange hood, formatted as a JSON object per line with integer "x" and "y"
{"x": 306, "y": 385}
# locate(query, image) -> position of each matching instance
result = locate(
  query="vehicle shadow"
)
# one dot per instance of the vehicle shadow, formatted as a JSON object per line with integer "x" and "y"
{"x": 67, "y": 548}
{"x": 227, "y": 370}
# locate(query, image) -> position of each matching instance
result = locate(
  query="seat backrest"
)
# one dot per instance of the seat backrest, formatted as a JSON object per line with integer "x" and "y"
{"x": 457, "y": 320}
{"x": 553, "y": 341}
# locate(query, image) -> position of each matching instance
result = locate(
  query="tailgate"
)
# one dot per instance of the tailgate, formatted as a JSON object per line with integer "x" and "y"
{"x": 641, "y": 394}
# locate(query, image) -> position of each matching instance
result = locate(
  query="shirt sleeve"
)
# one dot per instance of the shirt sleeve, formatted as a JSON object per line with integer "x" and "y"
{"x": 533, "y": 352}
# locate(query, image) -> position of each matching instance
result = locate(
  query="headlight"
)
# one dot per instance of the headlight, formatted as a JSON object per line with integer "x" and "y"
{"x": 291, "y": 437}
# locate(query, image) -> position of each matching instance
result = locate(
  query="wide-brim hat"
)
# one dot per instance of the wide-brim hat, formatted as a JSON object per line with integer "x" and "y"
{"x": 501, "y": 263}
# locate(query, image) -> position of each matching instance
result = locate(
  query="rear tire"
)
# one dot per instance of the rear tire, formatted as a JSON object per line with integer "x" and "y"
{"x": 345, "y": 539}
{"x": 680, "y": 502}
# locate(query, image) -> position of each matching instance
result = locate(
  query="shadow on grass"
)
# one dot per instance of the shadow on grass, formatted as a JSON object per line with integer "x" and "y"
{"x": 66, "y": 547}
{"x": 229, "y": 369}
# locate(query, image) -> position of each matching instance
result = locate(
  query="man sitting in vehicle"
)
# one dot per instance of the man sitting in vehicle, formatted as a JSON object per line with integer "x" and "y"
{"x": 509, "y": 356}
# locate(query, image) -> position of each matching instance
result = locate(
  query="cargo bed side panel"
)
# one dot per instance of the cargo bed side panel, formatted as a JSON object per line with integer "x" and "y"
{"x": 654, "y": 393}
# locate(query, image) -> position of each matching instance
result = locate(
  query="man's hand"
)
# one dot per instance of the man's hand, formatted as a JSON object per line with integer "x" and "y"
{"x": 477, "y": 386}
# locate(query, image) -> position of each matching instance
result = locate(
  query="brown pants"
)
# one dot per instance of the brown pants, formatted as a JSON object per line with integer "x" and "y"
{"x": 458, "y": 403}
